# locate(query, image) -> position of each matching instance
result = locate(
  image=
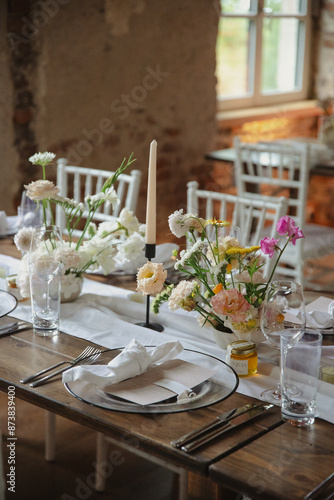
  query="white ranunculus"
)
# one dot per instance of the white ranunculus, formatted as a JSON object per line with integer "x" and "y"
{"x": 41, "y": 190}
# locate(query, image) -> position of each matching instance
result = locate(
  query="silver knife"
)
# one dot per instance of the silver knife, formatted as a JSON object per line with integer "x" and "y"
{"x": 214, "y": 424}
{"x": 11, "y": 325}
{"x": 204, "y": 439}
{"x": 15, "y": 329}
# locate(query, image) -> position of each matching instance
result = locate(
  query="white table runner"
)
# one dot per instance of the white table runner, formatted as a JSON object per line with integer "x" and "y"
{"x": 106, "y": 315}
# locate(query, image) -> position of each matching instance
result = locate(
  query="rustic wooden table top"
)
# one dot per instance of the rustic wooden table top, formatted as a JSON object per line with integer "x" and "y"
{"x": 268, "y": 459}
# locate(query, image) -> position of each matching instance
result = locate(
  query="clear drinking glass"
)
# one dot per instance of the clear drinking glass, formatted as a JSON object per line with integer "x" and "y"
{"x": 283, "y": 309}
{"x": 45, "y": 279}
{"x": 45, "y": 285}
{"x": 300, "y": 364}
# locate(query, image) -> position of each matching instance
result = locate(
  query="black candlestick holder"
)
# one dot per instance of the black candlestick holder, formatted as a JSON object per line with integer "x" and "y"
{"x": 150, "y": 254}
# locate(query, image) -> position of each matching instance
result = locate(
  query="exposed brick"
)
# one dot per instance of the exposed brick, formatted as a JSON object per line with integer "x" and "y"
{"x": 23, "y": 115}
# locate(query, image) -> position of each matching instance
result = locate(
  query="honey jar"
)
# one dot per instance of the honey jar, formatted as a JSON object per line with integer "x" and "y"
{"x": 242, "y": 357}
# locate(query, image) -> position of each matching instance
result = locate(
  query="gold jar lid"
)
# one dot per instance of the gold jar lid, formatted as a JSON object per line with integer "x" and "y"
{"x": 242, "y": 347}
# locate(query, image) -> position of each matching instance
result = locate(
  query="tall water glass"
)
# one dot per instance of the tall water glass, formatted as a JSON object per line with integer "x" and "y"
{"x": 300, "y": 364}
{"x": 45, "y": 286}
{"x": 283, "y": 309}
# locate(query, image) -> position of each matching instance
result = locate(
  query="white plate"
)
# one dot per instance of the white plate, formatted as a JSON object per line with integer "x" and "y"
{"x": 222, "y": 385}
{"x": 7, "y": 303}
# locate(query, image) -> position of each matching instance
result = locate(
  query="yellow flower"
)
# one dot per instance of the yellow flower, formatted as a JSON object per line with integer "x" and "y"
{"x": 251, "y": 323}
{"x": 216, "y": 222}
{"x": 241, "y": 251}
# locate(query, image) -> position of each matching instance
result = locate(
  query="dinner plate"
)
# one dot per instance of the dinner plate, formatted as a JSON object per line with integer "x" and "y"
{"x": 218, "y": 387}
{"x": 7, "y": 303}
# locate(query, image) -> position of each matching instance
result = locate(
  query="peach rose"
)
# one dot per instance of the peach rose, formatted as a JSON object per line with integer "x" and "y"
{"x": 230, "y": 303}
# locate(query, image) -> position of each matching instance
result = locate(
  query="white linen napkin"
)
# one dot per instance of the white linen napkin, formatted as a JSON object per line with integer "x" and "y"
{"x": 317, "y": 316}
{"x": 132, "y": 361}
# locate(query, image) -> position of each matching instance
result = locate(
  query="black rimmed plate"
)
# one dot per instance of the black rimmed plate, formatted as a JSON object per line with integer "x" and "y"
{"x": 217, "y": 388}
{"x": 7, "y": 303}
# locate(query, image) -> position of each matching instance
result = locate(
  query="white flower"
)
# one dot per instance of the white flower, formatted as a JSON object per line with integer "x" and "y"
{"x": 94, "y": 198}
{"x": 24, "y": 239}
{"x": 142, "y": 229}
{"x": 42, "y": 158}
{"x": 180, "y": 223}
{"x": 68, "y": 256}
{"x": 109, "y": 228}
{"x": 150, "y": 278}
{"x": 41, "y": 190}
{"x": 129, "y": 221}
{"x": 216, "y": 269}
{"x": 131, "y": 252}
{"x": 111, "y": 196}
{"x": 102, "y": 252}
{"x": 182, "y": 296}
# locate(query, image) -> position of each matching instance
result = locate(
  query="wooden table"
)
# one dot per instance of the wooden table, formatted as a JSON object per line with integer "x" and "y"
{"x": 269, "y": 459}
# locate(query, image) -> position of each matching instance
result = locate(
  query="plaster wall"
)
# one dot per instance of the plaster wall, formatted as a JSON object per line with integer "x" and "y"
{"x": 110, "y": 76}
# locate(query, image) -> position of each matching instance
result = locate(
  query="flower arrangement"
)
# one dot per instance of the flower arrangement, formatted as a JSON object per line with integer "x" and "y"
{"x": 225, "y": 283}
{"x": 114, "y": 244}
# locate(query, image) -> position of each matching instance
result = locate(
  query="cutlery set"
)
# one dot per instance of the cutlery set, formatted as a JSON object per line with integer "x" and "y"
{"x": 221, "y": 425}
{"x": 87, "y": 356}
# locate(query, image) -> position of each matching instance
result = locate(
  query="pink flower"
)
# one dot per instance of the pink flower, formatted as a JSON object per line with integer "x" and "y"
{"x": 268, "y": 246}
{"x": 298, "y": 234}
{"x": 287, "y": 227}
{"x": 230, "y": 303}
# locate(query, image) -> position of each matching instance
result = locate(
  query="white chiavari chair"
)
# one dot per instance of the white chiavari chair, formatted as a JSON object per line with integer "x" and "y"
{"x": 279, "y": 169}
{"x": 78, "y": 182}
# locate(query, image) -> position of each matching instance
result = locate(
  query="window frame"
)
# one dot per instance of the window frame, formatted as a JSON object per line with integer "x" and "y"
{"x": 257, "y": 99}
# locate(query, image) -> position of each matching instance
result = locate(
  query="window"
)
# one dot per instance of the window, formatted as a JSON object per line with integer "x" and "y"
{"x": 262, "y": 52}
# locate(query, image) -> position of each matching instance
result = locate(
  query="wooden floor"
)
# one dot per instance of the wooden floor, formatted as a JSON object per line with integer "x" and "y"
{"x": 71, "y": 475}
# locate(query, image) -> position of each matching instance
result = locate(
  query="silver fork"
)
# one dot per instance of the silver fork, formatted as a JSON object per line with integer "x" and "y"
{"x": 86, "y": 352}
{"x": 83, "y": 360}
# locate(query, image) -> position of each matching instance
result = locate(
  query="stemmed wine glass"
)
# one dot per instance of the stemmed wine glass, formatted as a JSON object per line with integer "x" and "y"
{"x": 283, "y": 309}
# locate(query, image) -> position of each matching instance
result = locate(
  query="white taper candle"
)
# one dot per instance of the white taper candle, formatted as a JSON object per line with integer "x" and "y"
{"x": 151, "y": 207}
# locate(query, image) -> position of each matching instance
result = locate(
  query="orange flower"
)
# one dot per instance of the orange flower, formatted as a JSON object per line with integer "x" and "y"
{"x": 280, "y": 318}
{"x": 217, "y": 288}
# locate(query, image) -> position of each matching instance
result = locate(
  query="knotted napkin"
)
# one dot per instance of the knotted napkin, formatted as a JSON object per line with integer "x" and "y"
{"x": 132, "y": 361}
{"x": 321, "y": 319}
